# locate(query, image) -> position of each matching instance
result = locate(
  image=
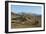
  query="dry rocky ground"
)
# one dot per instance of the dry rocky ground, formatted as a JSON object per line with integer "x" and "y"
{"x": 25, "y": 21}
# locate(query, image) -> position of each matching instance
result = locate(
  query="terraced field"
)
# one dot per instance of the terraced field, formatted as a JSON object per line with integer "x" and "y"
{"x": 25, "y": 21}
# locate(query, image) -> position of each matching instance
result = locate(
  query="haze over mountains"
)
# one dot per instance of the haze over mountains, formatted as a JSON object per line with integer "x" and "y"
{"x": 22, "y": 13}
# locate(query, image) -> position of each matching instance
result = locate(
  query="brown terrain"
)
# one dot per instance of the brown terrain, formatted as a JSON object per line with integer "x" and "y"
{"x": 25, "y": 20}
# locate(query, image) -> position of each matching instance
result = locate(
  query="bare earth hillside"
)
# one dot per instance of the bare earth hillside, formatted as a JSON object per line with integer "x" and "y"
{"x": 25, "y": 20}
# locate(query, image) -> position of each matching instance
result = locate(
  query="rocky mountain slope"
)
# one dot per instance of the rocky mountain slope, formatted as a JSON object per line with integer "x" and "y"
{"x": 24, "y": 20}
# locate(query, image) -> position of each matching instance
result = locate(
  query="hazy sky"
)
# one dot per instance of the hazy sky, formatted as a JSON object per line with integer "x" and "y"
{"x": 26, "y": 9}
